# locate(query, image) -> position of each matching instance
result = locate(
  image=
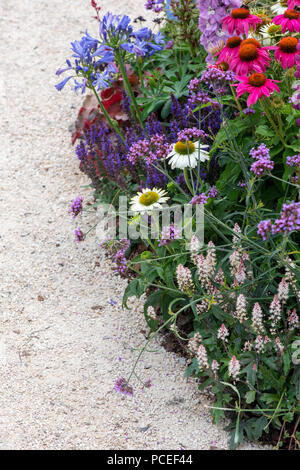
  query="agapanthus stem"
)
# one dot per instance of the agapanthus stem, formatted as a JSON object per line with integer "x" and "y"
{"x": 112, "y": 123}
{"x": 128, "y": 87}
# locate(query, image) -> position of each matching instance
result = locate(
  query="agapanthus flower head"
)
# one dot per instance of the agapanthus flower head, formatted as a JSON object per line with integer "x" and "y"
{"x": 257, "y": 85}
{"x": 252, "y": 57}
{"x": 187, "y": 154}
{"x": 289, "y": 21}
{"x": 286, "y": 51}
{"x": 86, "y": 59}
{"x": 240, "y": 21}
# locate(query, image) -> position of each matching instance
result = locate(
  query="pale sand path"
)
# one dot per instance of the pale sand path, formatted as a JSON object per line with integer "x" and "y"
{"x": 60, "y": 357}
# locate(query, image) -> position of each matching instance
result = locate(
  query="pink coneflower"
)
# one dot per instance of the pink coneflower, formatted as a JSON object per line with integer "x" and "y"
{"x": 252, "y": 57}
{"x": 231, "y": 49}
{"x": 289, "y": 21}
{"x": 292, "y": 3}
{"x": 286, "y": 52}
{"x": 240, "y": 21}
{"x": 257, "y": 85}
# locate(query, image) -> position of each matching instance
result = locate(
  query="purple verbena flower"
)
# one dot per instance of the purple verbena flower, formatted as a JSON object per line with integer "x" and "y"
{"x": 76, "y": 207}
{"x": 123, "y": 387}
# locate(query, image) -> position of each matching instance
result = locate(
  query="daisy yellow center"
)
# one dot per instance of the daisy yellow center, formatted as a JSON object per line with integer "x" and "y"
{"x": 184, "y": 148}
{"x": 291, "y": 14}
{"x": 248, "y": 52}
{"x": 257, "y": 79}
{"x": 240, "y": 13}
{"x": 273, "y": 29}
{"x": 288, "y": 44}
{"x": 233, "y": 42}
{"x": 148, "y": 198}
{"x": 251, "y": 41}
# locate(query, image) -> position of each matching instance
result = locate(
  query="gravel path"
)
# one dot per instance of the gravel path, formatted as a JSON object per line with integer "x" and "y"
{"x": 62, "y": 343}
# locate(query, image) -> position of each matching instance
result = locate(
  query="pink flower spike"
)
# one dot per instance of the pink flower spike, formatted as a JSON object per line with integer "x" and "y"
{"x": 240, "y": 21}
{"x": 257, "y": 85}
{"x": 289, "y": 21}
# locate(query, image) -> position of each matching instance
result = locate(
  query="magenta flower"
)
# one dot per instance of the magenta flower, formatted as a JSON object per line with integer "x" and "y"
{"x": 292, "y": 3}
{"x": 230, "y": 50}
{"x": 240, "y": 21}
{"x": 289, "y": 21}
{"x": 286, "y": 52}
{"x": 251, "y": 57}
{"x": 257, "y": 85}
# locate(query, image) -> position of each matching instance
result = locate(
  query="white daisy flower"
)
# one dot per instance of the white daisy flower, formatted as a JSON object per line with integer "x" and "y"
{"x": 279, "y": 7}
{"x": 148, "y": 199}
{"x": 270, "y": 31}
{"x": 187, "y": 154}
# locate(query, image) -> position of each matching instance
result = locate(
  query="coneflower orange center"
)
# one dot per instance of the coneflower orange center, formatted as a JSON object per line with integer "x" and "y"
{"x": 257, "y": 79}
{"x": 184, "y": 148}
{"x": 251, "y": 41}
{"x": 148, "y": 198}
{"x": 233, "y": 42}
{"x": 248, "y": 52}
{"x": 288, "y": 44}
{"x": 240, "y": 13}
{"x": 291, "y": 14}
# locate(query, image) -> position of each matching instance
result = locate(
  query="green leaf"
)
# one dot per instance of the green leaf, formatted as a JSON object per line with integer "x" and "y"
{"x": 134, "y": 289}
{"x": 250, "y": 396}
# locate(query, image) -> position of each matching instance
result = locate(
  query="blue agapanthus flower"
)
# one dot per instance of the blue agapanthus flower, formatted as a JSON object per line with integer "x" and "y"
{"x": 116, "y": 32}
{"x": 91, "y": 65}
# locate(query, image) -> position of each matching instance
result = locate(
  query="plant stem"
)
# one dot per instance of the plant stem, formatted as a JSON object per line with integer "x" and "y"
{"x": 112, "y": 123}
{"x": 272, "y": 122}
{"x": 129, "y": 88}
{"x": 186, "y": 177}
